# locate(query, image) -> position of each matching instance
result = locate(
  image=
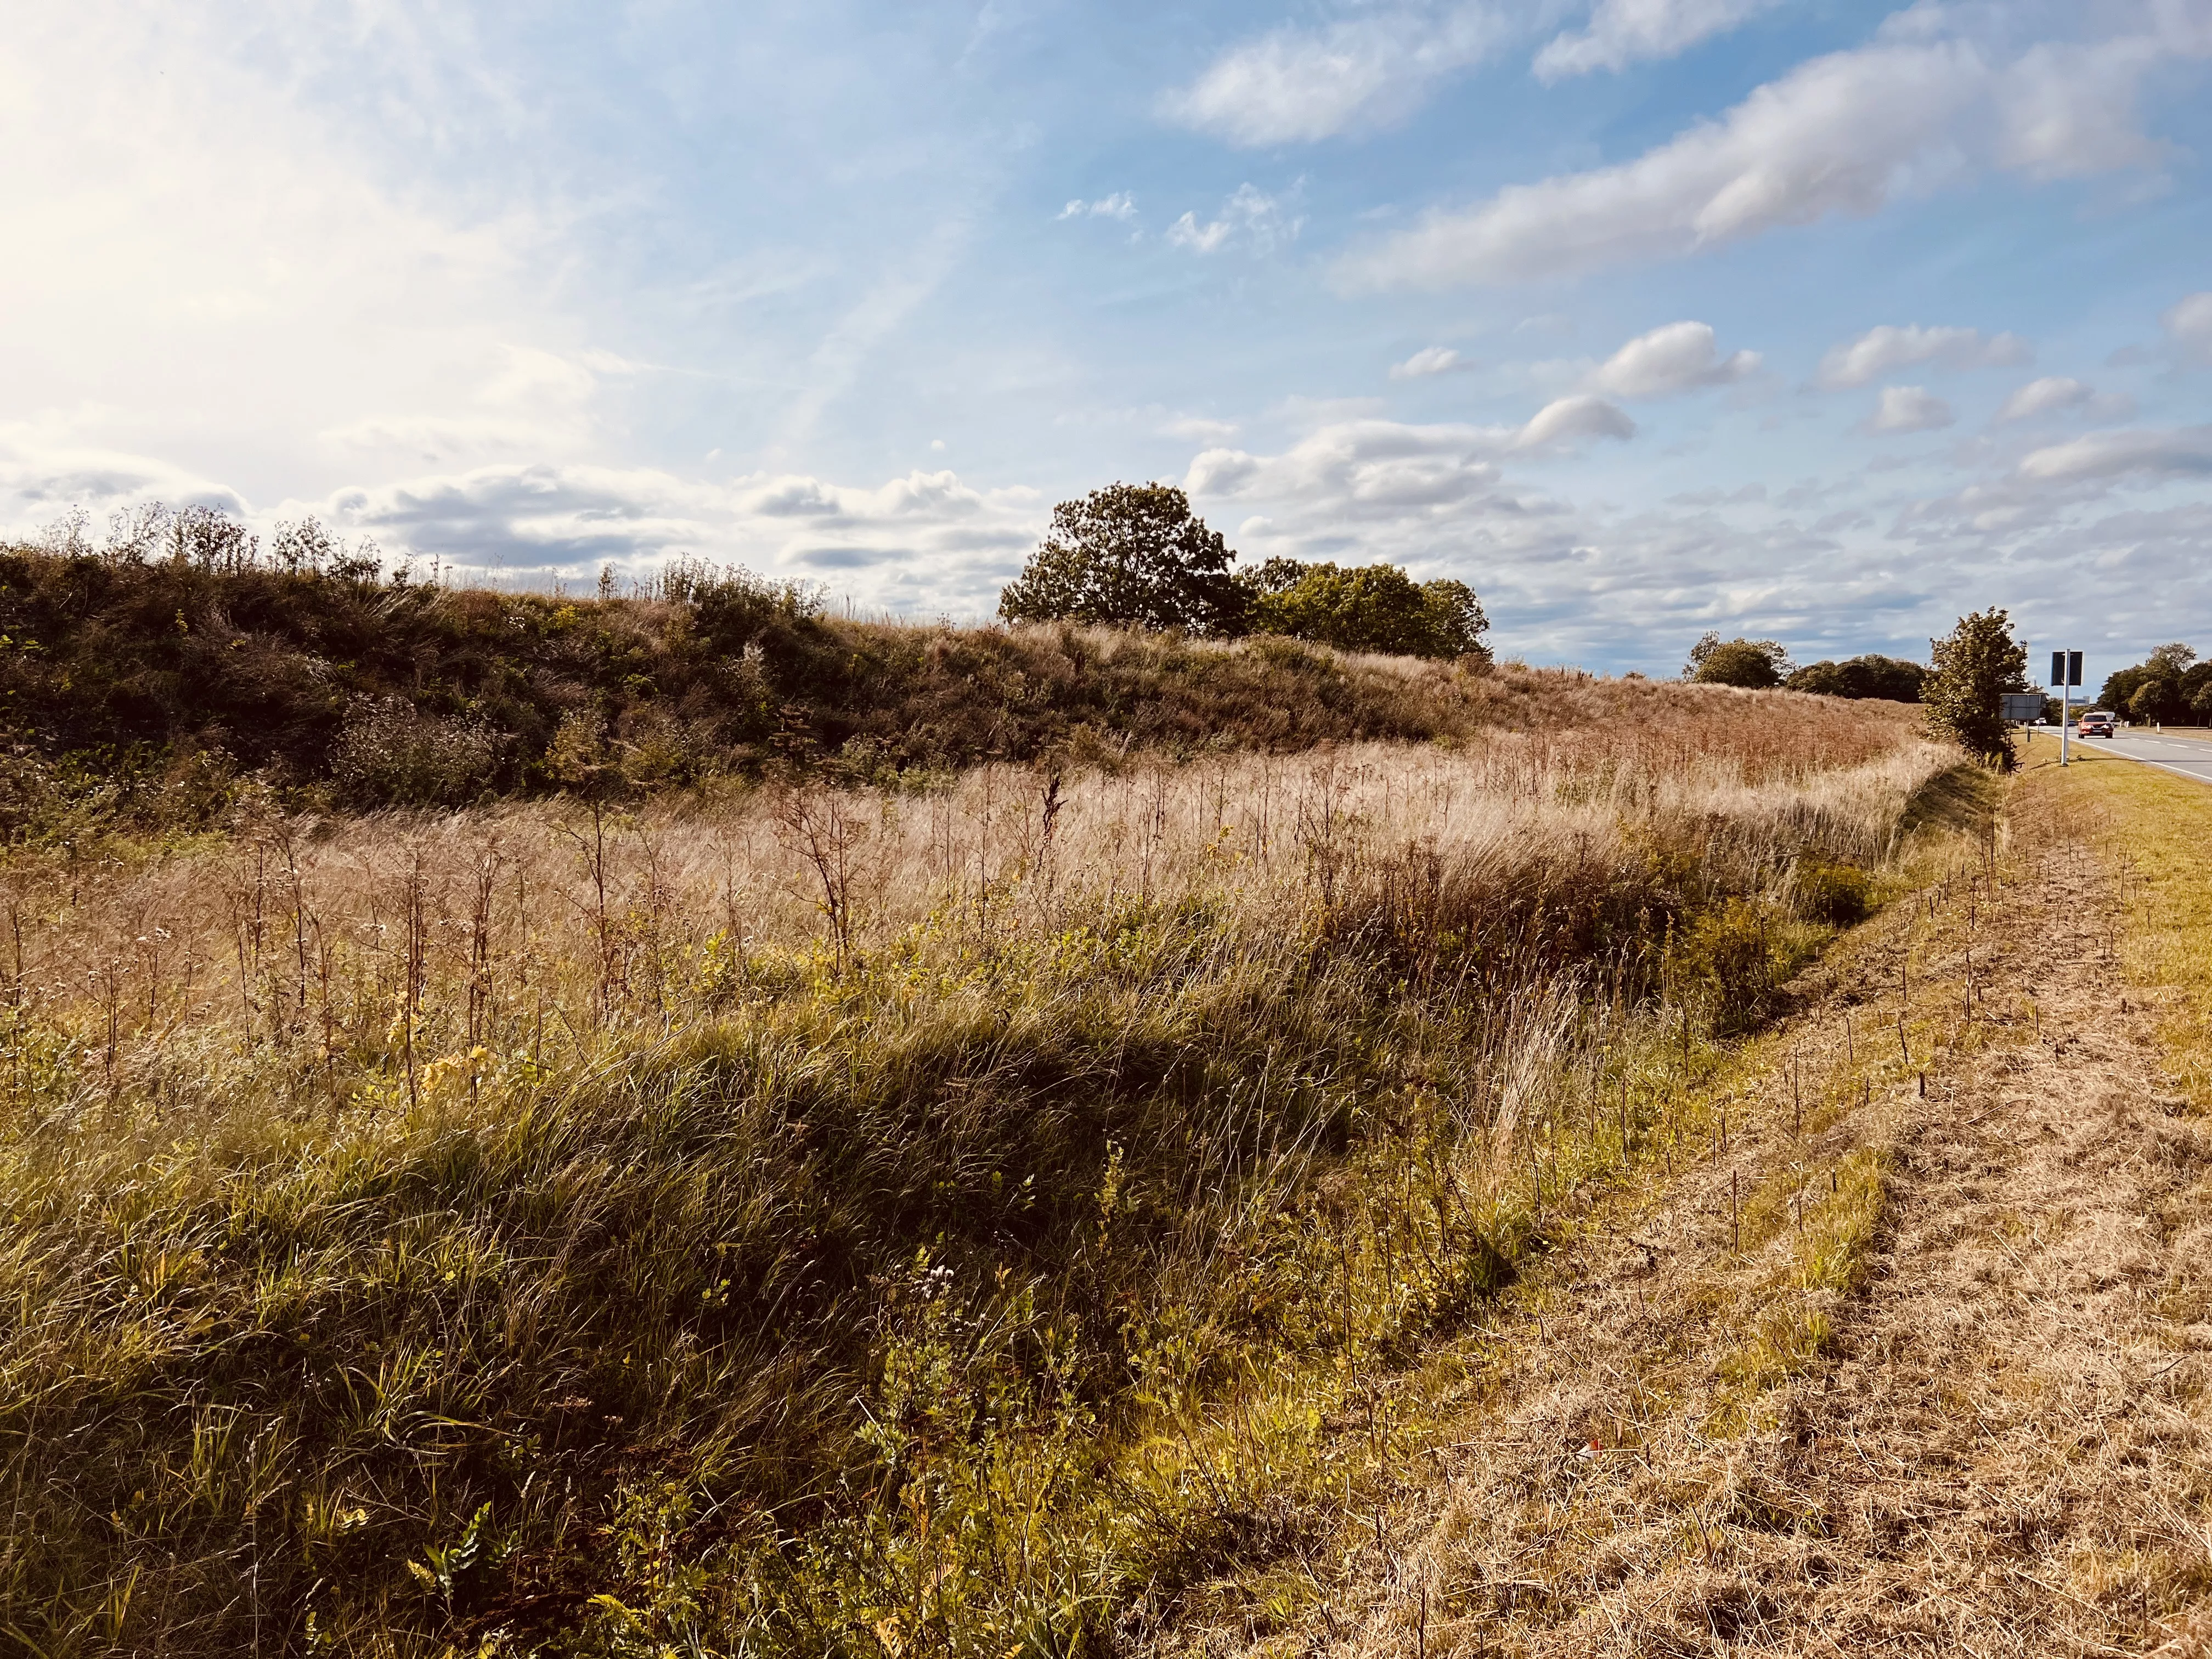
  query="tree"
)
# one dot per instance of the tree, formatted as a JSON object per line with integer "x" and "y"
{"x": 1870, "y": 676}
{"x": 1758, "y": 665}
{"x": 1974, "y": 664}
{"x": 1375, "y": 607}
{"x": 2164, "y": 686}
{"x": 1130, "y": 556}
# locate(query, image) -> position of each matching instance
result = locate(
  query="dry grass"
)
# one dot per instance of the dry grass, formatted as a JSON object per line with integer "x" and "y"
{"x": 1912, "y": 1362}
{"x": 872, "y": 1220}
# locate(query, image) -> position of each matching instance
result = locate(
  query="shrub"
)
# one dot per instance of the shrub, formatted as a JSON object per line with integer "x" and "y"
{"x": 1837, "y": 893}
{"x": 1376, "y": 607}
{"x": 1726, "y": 954}
{"x": 1755, "y": 665}
{"x": 390, "y": 753}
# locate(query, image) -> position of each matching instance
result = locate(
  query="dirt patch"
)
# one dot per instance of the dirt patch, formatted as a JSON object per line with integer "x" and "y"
{"x": 1727, "y": 1424}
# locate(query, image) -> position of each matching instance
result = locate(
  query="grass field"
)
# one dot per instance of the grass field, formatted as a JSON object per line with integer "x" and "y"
{"x": 2155, "y": 828}
{"x": 964, "y": 1217}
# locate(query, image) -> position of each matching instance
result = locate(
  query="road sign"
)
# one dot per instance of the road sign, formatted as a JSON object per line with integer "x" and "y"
{"x": 2066, "y": 668}
{"x": 2023, "y": 706}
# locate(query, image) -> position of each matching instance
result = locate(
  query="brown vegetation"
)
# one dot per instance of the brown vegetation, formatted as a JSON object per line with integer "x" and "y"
{"x": 942, "y": 1216}
{"x": 1906, "y": 1353}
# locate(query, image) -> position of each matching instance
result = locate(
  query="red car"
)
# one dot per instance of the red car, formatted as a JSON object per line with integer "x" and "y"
{"x": 2095, "y": 724}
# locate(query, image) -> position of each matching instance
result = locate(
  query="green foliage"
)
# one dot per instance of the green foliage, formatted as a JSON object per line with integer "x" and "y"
{"x": 1756, "y": 665}
{"x": 2169, "y": 685}
{"x": 968, "y": 1291}
{"x": 1973, "y": 665}
{"x": 1130, "y": 556}
{"x": 1870, "y": 676}
{"x": 1376, "y": 607}
{"x": 1837, "y": 894}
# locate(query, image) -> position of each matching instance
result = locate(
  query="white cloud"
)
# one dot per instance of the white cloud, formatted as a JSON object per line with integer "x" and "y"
{"x": 1879, "y": 350}
{"x": 1429, "y": 360}
{"x": 1119, "y": 205}
{"x": 925, "y": 537}
{"x": 2182, "y": 452}
{"x": 1250, "y": 219}
{"x": 2043, "y": 397}
{"x": 1373, "y": 70}
{"x": 1565, "y": 420}
{"x": 1367, "y": 466}
{"x": 1678, "y": 357}
{"x": 1624, "y": 32}
{"x": 1909, "y": 409}
{"x": 2189, "y": 326}
{"x": 1844, "y": 134}
{"x": 1197, "y": 429}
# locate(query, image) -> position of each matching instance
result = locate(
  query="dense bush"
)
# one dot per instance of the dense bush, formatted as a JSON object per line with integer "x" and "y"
{"x": 1375, "y": 607}
{"x": 1754, "y": 665}
{"x": 1870, "y": 676}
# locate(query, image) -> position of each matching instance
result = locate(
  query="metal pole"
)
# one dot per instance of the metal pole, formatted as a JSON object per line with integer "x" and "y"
{"x": 2065, "y": 715}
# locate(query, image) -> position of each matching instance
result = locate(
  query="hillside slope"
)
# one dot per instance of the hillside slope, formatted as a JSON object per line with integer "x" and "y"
{"x": 168, "y": 678}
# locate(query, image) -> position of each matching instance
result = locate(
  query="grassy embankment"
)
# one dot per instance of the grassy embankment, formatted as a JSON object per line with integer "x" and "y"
{"x": 153, "y": 691}
{"x": 2155, "y": 827}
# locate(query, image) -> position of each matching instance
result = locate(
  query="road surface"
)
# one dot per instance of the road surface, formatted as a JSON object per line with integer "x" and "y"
{"x": 2191, "y": 757}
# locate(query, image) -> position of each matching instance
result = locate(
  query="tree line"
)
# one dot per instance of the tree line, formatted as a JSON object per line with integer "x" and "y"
{"x": 2170, "y": 686}
{"x": 1764, "y": 664}
{"x": 1134, "y": 555}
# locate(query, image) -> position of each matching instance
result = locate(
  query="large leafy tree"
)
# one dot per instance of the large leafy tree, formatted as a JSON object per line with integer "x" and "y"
{"x": 1373, "y": 607}
{"x": 1757, "y": 664}
{"x": 1131, "y": 555}
{"x": 1973, "y": 664}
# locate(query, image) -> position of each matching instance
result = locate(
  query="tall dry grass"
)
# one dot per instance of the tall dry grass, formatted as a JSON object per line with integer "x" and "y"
{"x": 813, "y": 1219}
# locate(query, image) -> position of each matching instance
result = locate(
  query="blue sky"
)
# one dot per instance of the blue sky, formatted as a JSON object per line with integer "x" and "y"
{"x": 1819, "y": 321}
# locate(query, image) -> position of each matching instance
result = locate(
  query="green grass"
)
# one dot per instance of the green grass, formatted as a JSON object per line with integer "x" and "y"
{"x": 981, "y": 1286}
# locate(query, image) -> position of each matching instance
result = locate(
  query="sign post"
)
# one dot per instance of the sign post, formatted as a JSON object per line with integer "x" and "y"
{"x": 2065, "y": 674}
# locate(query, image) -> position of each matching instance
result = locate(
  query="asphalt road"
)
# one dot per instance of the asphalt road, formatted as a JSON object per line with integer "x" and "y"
{"x": 2189, "y": 756}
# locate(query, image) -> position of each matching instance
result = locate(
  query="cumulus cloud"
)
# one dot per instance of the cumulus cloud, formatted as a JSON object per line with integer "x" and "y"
{"x": 1841, "y": 135}
{"x": 1119, "y": 205}
{"x": 1300, "y": 84}
{"x": 2188, "y": 326}
{"x": 1568, "y": 419}
{"x": 1879, "y": 350}
{"x": 1624, "y": 32}
{"x": 1677, "y": 358}
{"x": 1429, "y": 360}
{"x": 1909, "y": 409}
{"x": 2175, "y": 452}
{"x": 1365, "y": 467}
{"x": 1250, "y": 219}
{"x": 2051, "y": 393}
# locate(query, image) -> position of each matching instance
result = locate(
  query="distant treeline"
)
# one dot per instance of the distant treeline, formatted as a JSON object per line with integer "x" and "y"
{"x": 1765, "y": 664}
{"x": 2169, "y": 686}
